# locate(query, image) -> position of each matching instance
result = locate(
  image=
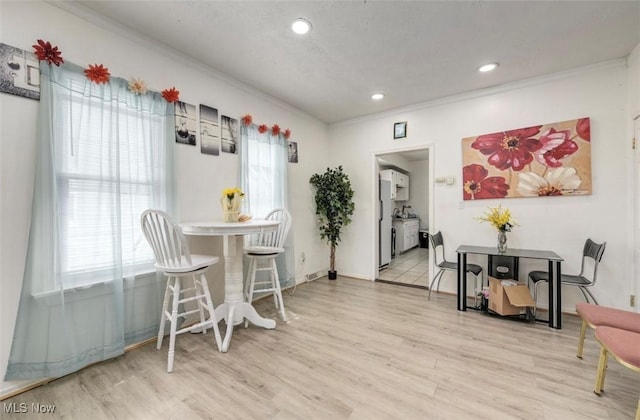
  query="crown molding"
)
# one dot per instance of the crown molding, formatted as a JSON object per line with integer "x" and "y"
{"x": 130, "y": 34}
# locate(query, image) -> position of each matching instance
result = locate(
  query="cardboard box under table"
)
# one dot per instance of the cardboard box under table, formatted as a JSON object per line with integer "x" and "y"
{"x": 507, "y": 297}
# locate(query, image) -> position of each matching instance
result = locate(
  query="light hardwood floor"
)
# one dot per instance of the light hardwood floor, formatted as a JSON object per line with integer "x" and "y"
{"x": 355, "y": 349}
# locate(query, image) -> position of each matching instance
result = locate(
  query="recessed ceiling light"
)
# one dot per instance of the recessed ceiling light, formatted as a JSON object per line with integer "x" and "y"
{"x": 301, "y": 26}
{"x": 377, "y": 96}
{"x": 488, "y": 67}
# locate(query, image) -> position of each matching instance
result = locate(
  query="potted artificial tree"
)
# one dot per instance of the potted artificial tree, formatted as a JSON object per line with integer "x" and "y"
{"x": 334, "y": 208}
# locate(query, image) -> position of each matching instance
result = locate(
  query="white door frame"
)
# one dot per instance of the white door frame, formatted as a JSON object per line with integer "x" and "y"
{"x": 375, "y": 263}
{"x": 634, "y": 287}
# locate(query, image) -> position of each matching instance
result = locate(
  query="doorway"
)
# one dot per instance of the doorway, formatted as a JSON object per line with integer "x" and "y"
{"x": 410, "y": 266}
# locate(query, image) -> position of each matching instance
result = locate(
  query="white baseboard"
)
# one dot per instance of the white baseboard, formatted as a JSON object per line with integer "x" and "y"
{"x": 9, "y": 389}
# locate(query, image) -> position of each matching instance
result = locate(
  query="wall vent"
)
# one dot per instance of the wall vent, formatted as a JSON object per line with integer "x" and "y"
{"x": 315, "y": 275}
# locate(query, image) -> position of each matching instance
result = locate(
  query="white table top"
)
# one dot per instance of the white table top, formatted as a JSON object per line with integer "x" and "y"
{"x": 218, "y": 228}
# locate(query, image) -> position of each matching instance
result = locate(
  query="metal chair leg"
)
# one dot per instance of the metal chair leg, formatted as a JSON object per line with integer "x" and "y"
{"x": 436, "y": 277}
{"x": 593, "y": 298}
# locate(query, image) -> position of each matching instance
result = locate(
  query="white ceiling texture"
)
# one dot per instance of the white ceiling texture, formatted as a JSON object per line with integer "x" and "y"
{"x": 412, "y": 51}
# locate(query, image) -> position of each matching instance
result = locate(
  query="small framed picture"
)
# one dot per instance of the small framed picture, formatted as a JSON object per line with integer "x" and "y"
{"x": 400, "y": 130}
{"x": 293, "y": 151}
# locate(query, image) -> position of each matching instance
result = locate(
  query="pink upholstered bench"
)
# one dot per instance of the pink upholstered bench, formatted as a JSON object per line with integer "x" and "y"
{"x": 596, "y": 315}
{"x": 624, "y": 346}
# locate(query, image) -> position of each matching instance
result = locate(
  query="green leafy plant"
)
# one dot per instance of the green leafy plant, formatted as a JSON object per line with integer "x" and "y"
{"x": 334, "y": 206}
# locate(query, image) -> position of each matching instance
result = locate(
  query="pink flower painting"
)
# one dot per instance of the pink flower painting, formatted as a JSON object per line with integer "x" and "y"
{"x": 539, "y": 161}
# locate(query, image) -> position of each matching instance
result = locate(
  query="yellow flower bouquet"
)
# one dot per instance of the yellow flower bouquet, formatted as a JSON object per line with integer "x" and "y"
{"x": 231, "y": 201}
{"x": 499, "y": 218}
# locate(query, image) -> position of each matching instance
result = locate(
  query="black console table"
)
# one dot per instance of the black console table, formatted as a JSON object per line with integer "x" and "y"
{"x": 555, "y": 263}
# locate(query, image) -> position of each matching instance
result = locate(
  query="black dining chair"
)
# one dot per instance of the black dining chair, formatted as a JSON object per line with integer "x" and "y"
{"x": 591, "y": 257}
{"x": 437, "y": 246}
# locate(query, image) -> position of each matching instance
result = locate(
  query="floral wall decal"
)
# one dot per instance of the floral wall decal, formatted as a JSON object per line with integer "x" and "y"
{"x": 45, "y": 51}
{"x": 97, "y": 73}
{"x": 542, "y": 160}
{"x": 137, "y": 86}
{"x": 247, "y": 119}
{"x": 171, "y": 95}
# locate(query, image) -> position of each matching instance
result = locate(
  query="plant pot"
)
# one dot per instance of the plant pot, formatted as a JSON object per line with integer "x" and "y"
{"x": 333, "y": 275}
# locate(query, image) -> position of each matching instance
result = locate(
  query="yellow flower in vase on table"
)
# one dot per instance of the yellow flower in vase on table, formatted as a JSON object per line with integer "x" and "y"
{"x": 501, "y": 220}
{"x": 231, "y": 201}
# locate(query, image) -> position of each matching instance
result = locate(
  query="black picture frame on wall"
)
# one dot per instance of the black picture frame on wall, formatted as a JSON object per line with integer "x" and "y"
{"x": 400, "y": 130}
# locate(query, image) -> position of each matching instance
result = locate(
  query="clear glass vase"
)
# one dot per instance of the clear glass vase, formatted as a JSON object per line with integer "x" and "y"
{"x": 502, "y": 241}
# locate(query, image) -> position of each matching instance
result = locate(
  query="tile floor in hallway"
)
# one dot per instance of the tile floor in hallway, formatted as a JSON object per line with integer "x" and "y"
{"x": 409, "y": 268}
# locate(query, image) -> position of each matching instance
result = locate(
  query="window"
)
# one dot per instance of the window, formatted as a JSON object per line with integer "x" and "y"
{"x": 263, "y": 171}
{"x": 109, "y": 157}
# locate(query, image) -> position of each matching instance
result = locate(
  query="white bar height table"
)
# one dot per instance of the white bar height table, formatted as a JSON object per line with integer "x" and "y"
{"x": 234, "y": 309}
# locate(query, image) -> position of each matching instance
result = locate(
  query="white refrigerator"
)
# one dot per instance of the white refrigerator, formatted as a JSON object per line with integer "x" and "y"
{"x": 384, "y": 223}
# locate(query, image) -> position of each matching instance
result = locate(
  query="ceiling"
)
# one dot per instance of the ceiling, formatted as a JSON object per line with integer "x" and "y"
{"x": 412, "y": 51}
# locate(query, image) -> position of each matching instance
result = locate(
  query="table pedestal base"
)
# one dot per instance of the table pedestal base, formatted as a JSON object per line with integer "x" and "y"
{"x": 235, "y": 313}
{"x": 234, "y": 310}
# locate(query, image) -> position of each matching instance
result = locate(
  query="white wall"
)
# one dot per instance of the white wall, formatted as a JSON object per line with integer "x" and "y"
{"x": 633, "y": 62}
{"x": 557, "y": 223}
{"x": 419, "y": 190}
{"x": 201, "y": 178}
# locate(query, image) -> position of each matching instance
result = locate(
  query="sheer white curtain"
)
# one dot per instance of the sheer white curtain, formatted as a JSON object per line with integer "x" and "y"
{"x": 104, "y": 155}
{"x": 263, "y": 178}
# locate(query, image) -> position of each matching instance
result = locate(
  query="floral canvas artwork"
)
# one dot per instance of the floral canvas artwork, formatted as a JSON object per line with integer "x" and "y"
{"x": 539, "y": 161}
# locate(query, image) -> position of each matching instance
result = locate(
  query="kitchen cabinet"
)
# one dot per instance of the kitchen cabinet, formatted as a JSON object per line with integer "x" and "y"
{"x": 399, "y": 184}
{"x": 402, "y": 192}
{"x": 401, "y": 179}
{"x": 407, "y": 234}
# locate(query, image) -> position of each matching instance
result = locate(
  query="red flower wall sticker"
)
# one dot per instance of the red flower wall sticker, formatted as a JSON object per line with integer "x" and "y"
{"x": 247, "y": 119}
{"x": 97, "y": 73}
{"x": 45, "y": 51}
{"x": 171, "y": 95}
{"x": 543, "y": 160}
